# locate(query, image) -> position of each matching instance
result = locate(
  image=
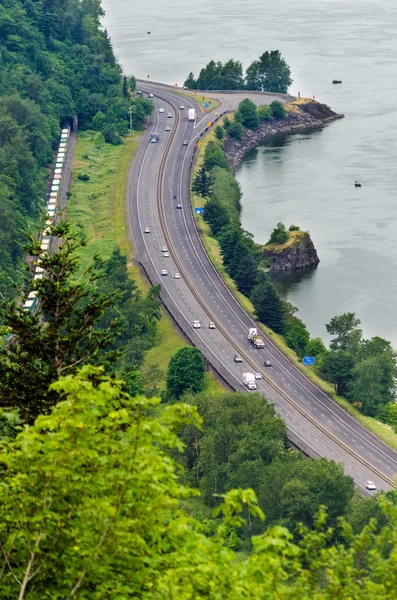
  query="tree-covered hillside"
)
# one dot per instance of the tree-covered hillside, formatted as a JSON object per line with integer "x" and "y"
{"x": 55, "y": 62}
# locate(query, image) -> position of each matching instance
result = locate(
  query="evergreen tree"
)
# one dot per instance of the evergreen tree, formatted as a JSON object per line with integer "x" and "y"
{"x": 132, "y": 83}
{"x": 236, "y": 130}
{"x": 268, "y": 305}
{"x": 246, "y": 275}
{"x": 214, "y": 157}
{"x": 297, "y": 335}
{"x": 62, "y": 335}
{"x": 216, "y": 215}
{"x": 202, "y": 183}
{"x": 125, "y": 90}
{"x": 228, "y": 239}
{"x": 190, "y": 82}
{"x": 219, "y": 132}
{"x": 241, "y": 251}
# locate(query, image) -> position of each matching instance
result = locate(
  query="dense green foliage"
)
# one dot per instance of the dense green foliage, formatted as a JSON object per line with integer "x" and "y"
{"x": 186, "y": 372}
{"x": 55, "y": 62}
{"x": 268, "y": 74}
{"x": 97, "y": 316}
{"x": 268, "y": 304}
{"x": 247, "y": 114}
{"x": 242, "y": 442}
{"x": 91, "y": 505}
{"x": 364, "y": 371}
{"x": 279, "y": 235}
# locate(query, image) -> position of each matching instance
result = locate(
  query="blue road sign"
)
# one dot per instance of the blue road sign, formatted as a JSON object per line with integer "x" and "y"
{"x": 308, "y": 360}
{"x": 199, "y": 211}
{"x": 206, "y": 104}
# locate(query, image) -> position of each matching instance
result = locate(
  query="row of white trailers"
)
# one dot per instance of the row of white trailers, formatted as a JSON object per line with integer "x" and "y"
{"x": 51, "y": 208}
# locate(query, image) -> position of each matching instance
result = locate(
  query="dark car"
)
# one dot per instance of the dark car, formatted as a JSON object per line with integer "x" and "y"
{"x": 237, "y": 358}
{"x": 267, "y": 363}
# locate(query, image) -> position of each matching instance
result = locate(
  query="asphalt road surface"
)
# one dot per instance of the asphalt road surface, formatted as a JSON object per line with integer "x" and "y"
{"x": 160, "y": 171}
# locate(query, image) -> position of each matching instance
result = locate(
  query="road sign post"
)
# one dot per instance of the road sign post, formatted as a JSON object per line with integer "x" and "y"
{"x": 308, "y": 360}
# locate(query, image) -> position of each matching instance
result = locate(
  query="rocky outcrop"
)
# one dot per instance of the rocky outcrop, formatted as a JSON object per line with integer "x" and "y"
{"x": 298, "y": 253}
{"x": 301, "y": 115}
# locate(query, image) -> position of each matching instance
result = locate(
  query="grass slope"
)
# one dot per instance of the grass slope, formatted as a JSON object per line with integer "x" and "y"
{"x": 97, "y": 207}
{"x": 212, "y": 247}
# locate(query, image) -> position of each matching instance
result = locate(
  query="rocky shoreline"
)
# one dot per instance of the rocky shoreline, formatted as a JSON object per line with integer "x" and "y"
{"x": 305, "y": 116}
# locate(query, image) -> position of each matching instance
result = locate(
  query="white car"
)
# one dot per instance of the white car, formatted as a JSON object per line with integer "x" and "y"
{"x": 258, "y": 376}
{"x": 196, "y": 325}
{"x": 147, "y": 230}
{"x": 169, "y": 116}
{"x": 161, "y": 110}
{"x": 164, "y": 249}
{"x": 166, "y": 254}
{"x": 211, "y": 325}
{"x": 151, "y": 95}
{"x": 370, "y": 485}
{"x": 181, "y": 107}
{"x": 164, "y": 272}
{"x": 177, "y": 276}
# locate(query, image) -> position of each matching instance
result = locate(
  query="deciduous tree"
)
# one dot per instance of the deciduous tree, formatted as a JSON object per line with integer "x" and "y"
{"x": 186, "y": 371}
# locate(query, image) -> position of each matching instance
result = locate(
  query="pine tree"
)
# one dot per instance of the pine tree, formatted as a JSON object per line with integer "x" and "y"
{"x": 246, "y": 275}
{"x": 62, "y": 335}
{"x": 241, "y": 251}
{"x": 216, "y": 215}
{"x": 268, "y": 304}
{"x": 228, "y": 240}
{"x": 126, "y": 91}
{"x": 202, "y": 183}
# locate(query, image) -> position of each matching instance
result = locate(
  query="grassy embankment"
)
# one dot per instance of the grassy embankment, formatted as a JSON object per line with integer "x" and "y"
{"x": 199, "y": 98}
{"x": 97, "y": 207}
{"x": 212, "y": 247}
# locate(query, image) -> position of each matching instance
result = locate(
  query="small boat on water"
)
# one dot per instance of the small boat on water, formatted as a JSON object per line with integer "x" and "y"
{"x": 357, "y": 184}
{"x": 337, "y": 81}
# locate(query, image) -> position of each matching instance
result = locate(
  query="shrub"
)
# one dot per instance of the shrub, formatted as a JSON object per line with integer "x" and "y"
{"x": 294, "y": 228}
{"x": 264, "y": 113}
{"x": 236, "y": 130}
{"x": 279, "y": 235}
{"x": 278, "y": 110}
{"x": 247, "y": 115}
{"x": 83, "y": 177}
{"x": 219, "y": 132}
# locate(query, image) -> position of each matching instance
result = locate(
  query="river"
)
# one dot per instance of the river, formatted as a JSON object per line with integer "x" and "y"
{"x": 306, "y": 179}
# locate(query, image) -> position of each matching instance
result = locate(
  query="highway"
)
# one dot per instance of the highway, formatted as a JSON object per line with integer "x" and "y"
{"x": 316, "y": 424}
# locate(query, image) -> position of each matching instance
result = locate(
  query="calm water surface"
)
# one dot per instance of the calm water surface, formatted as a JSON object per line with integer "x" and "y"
{"x": 305, "y": 179}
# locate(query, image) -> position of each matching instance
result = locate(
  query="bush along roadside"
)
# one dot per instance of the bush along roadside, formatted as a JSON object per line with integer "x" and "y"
{"x": 362, "y": 371}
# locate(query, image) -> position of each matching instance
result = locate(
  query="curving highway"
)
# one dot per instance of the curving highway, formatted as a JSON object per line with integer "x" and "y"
{"x": 160, "y": 171}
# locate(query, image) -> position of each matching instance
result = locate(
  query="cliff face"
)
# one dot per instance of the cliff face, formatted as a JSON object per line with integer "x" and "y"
{"x": 298, "y": 253}
{"x": 302, "y": 114}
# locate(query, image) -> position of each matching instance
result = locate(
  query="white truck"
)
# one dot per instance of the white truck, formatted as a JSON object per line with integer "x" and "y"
{"x": 191, "y": 116}
{"x": 249, "y": 381}
{"x": 255, "y": 338}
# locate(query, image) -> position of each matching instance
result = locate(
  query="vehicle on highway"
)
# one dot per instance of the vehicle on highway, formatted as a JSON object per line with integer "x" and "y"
{"x": 151, "y": 95}
{"x": 169, "y": 116}
{"x": 164, "y": 272}
{"x": 177, "y": 276}
{"x": 181, "y": 107}
{"x": 154, "y": 138}
{"x": 211, "y": 325}
{"x": 249, "y": 381}
{"x": 164, "y": 249}
{"x": 147, "y": 230}
{"x": 139, "y": 93}
{"x": 168, "y": 128}
{"x": 267, "y": 363}
{"x": 161, "y": 110}
{"x": 185, "y": 143}
{"x": 258, "y": 376}
{"x": 191, "y": 115}
{"x": 237, "y": 358}
{"x": 166, "y": 254}
{"x": 196, "y": 325}
{"x": 179, "y": 205}
{"x": 254, "y": 338}
{"x": 370, "y": 485}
